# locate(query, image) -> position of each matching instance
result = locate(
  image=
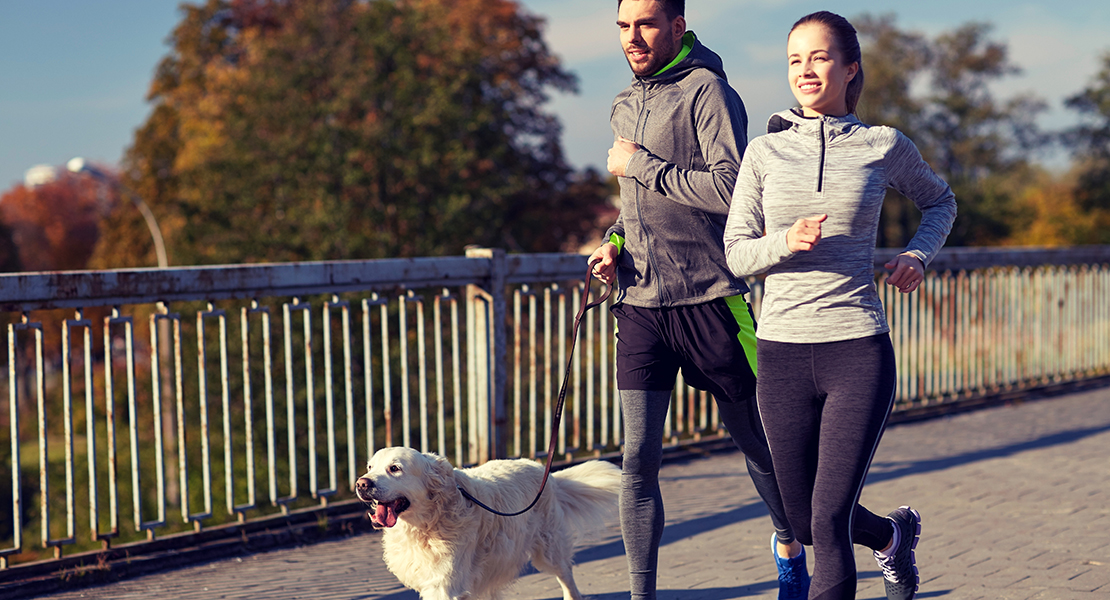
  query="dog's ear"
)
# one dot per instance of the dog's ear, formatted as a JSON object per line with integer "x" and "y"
{"x": 443, "y": 499}
{"x": 441, "y": 476}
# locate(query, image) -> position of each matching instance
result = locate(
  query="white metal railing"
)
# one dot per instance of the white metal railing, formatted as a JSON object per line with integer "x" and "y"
{"x": 995, "y": 320}
{"x": 458, "y": 355}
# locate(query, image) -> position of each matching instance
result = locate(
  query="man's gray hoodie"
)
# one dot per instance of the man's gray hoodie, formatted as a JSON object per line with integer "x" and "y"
{"x": 840, "y": 167}
{"x": 675, "y": 194}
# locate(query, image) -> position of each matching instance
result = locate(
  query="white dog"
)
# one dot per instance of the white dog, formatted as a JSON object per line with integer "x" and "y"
{"x": 447, "y": 548}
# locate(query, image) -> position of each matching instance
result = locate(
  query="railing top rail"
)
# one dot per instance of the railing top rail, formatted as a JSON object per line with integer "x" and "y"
{"x": 72, "y": 289}
{"x": 969, "y": 258}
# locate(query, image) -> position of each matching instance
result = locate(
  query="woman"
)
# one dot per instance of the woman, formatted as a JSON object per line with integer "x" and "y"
{"x": 815, "y": 184}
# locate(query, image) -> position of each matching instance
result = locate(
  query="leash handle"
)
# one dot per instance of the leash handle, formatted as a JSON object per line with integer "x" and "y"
{"x": 558, "y": 415}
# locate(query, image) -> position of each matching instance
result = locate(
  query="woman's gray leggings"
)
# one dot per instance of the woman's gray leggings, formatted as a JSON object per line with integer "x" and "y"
{"x": 825, "y": 407}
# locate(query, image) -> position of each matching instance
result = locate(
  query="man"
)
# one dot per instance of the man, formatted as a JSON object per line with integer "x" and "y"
{"x": 679, "y": 131}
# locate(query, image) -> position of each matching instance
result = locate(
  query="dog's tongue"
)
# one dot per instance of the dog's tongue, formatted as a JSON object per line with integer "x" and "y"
{"x": 384, "y": 515}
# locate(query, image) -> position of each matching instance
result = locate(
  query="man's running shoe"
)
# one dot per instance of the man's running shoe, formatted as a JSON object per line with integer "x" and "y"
{"x": 900, "y": 568}
{"x": 793, "y": 576}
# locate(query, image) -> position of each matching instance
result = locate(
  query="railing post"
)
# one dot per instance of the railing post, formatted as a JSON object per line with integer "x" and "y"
{"x": 486, "y": 306}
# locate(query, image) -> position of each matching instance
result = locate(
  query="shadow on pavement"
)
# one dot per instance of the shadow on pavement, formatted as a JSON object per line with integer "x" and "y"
{"x": 402, "y": 595}
{"x": 675, "y": 532}
{"x": 886, "y": 471}
{"x": 697, "y": 594}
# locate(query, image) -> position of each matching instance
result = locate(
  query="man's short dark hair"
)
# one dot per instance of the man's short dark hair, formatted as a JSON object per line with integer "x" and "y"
{"x": 673, "y": 8}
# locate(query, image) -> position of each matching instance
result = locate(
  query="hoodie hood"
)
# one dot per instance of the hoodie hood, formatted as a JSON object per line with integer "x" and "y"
{"x": 787, "y": 119}
{"x": 694, "y": 55}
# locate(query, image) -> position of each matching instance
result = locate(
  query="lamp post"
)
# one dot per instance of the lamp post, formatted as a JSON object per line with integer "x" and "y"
{"x": 78, "y": 165}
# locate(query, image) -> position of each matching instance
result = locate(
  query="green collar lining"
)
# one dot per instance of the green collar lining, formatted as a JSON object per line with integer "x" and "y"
{"x": 688, "y": 40}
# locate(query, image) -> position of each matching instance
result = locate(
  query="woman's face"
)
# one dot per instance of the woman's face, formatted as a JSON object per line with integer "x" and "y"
{"x": 818, "y": 74}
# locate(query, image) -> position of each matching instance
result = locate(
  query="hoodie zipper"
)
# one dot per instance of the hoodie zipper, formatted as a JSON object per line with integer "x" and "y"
{"x": 821, "y": 165}
{"x": 641, "y": 127}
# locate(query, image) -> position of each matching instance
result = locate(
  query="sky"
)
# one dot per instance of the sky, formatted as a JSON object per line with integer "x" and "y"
{"x": 74, "y": 73}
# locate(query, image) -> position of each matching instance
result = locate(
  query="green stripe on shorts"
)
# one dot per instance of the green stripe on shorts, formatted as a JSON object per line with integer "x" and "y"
{"x": 743, "y": 316}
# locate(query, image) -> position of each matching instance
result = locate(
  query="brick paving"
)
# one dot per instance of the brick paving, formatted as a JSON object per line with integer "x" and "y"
{"x": 1014, "y": 502}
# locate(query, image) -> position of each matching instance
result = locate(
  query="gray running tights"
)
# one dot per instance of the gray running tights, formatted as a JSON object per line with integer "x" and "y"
{"x": 641, "y": 504}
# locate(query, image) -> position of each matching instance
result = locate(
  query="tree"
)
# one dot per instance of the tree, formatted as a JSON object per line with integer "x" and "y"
{"x": 981, "y": 146}
{"x": 287, "y": 130}
{"x": 9, "y": 252}
{"x": 893, "y": 59}
{"x": 1050, "y": 214}
{"x": 53, "y": 226}
{"x": 1091, "y": 143}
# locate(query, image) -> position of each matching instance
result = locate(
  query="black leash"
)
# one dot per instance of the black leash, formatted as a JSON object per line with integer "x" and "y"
{"x": 557, "y": 419}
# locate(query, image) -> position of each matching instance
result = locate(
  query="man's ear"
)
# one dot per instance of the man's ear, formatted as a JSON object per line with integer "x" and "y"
{"x": 679, "y": 28}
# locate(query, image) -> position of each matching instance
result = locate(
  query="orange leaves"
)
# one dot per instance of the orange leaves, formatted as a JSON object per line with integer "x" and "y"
{"x": 332, "y": 129}
{"x": 55, "y": 226}
{"x": 1052, "y": 214}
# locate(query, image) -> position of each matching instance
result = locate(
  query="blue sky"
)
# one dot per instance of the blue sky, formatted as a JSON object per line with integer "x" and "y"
{"x": 74, "y": 73}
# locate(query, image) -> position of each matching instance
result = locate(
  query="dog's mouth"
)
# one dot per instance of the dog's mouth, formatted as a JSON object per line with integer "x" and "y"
{"x": 384, "y": 514}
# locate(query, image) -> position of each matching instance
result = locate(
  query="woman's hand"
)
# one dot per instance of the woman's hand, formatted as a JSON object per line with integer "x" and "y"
{"x": 805, "y": 233}
{"x": 907, "y": 272}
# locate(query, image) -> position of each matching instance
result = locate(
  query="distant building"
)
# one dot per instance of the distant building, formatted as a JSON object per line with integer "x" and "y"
{"x": 39, "y": 175}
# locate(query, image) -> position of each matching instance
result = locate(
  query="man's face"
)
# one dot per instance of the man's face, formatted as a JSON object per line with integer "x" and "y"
{"x": 650, "y": 40}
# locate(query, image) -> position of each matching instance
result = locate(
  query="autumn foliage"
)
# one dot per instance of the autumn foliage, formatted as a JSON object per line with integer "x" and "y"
{"x": 984, "y": 146}
{"x": 324, "y": 130}
{"x": 287, "y": 131}
{"x": 54, "y": 226}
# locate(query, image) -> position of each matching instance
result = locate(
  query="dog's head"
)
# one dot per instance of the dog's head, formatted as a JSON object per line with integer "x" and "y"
{"x": 402, "y": 481}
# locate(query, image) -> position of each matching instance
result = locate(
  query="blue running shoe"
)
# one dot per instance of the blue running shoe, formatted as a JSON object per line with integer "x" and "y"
{"x": 793, "y": 576}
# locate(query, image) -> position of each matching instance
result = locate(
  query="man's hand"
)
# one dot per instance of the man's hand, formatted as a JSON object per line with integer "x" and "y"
{"x": 907, "y": 272}
{"x": 619, "y": 154}
{"x": 805, "y": 233}
{"x": 606, "y": 258}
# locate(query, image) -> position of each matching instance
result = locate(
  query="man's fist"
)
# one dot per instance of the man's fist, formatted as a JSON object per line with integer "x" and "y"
{"x": 619, "y": 154}
{"x": 604, "y": 261}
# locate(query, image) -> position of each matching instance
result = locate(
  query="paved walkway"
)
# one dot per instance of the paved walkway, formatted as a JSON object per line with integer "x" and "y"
{"x": 1014, "y": 502}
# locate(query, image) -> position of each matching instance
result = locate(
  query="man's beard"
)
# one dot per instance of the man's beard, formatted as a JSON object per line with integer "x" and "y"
{"x": 660, "y": 57}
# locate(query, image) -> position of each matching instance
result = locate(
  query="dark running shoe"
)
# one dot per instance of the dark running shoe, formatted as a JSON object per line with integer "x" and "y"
{"x": 900, "y": 568}
{"x": 793, "y": 576}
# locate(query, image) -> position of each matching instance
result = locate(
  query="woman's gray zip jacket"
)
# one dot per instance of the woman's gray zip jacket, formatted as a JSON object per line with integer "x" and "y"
{"x": 840, "y": 167}
{"x": 675, "y": 194}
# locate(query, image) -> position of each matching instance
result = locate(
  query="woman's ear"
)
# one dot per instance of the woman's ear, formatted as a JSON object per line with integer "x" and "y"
{"x": 853, "y": 69}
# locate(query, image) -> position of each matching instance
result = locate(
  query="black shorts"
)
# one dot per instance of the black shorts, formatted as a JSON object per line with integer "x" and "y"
{"x": 713, "y": 343}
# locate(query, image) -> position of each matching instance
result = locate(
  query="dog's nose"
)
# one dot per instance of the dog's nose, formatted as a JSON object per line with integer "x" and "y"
{"x": 363, "y": 484}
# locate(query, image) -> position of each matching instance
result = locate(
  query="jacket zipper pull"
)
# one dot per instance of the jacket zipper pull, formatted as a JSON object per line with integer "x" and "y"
{"x": 821, "y": 165}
